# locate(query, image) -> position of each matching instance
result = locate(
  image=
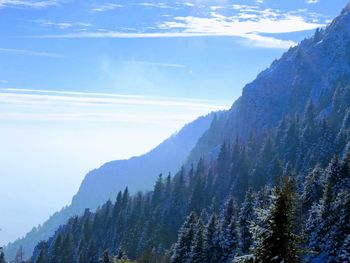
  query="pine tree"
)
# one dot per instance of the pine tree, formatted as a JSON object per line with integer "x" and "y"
{"x": 345, "y": 172}
{"x": 327, "y": 144}
{"x": 67, "y": 249}
{"x": 105, "y": 257}
{"x": 333, "y": 175}
{"x": 321, "y": 219}
{"x": 344, "y": 255}
{"x": 196, "y": 253}
{"x": 246, "y": 217}
{"x": 158, "y": 191}
{"x": 211, "y": 248}
{"x": 182, "y": 247}
{"x": 276, "y": 242}
{"x": 56, "y": 253}
{"x": 2, "y": 256}
{"x": 229, "y": 234}
{"x": 312, "y": 189}
{"x": 92, "y": 252}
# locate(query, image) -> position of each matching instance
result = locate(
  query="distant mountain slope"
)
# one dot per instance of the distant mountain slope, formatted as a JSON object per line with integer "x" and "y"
{"x": 138, "y": 173}
{"x": 310, "y": 71}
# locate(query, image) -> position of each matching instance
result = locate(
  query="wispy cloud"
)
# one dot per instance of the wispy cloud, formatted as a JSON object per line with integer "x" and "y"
{"x": 312, "y": 1}
{"x": 45, "y": 97}
{"x": 156, "y": 64}
{"x": 3, "y": 81}
{"x": 48, "y": 105}
{"x": 260, "y": 41}
{"x": 157, "y": 5}
{"x": 106, "y": 7}
{"x": 249, "y": 22}
{"x": 62, "y": 24}
{"x": 29, "y": 53}
{"x": 36, "y": 4}
{"x": 188, "y": 4}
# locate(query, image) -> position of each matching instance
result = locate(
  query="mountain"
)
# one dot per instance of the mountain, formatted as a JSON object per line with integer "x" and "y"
{"x": 273, "y": 167}
{"x": 139, "y": 173}
{"x": 102, "y": 184}
{"x": 310, "y": 71}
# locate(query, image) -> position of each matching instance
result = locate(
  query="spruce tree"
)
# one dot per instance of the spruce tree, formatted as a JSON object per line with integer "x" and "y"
{"x": 333, "y": 175}
{"x": 246, "y": 216}
{"x": 276, "y": 242}
{"x": 312, "y": 189}
{"x": 56, "y": 253}
{"x": 2, "y": 257}
{"x": 211, "y": 246}
{"x": 158, "y": 191}
{"x": 182, "y": 247}
{"x": 229, "y": 234}
{"x": 105, "y": 257}
{"x": 42, "y": 258}
{"x": 196, "y": 253}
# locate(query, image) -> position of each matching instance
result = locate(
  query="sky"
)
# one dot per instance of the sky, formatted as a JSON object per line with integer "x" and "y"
{"x": 83, "y": 82}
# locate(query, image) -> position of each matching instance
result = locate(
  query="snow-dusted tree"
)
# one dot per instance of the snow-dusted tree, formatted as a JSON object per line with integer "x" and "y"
{"x": 327, "y": 143}
{"x": 312, "y": 188}
{"x": 183, "y": 246}
{"x": 246, "y": 216}
{"x": 210, "y": 241}
{"x": 229, "y": 233}
{"x": 333, "y": 175}
{"x": 320, "y": 220}
{"x": 275, "y": 240}
{"x": 344, "y": 255}
{"x": 196, "y": 253}
{"x": 345, "y": 172}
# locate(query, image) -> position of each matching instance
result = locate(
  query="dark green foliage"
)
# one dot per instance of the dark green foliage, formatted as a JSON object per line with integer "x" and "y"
{"x": 211, "y": 248}
{"x": 2, "y": 257}
{"x": 147, "y": 224}
{"x": 106, "y": 258}
{"x": 246, "y": 217}
{"x": 183, "y": 246}
{"x": 276, "y": 241}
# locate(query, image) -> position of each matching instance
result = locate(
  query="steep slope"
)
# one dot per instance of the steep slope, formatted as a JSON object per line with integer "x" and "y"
{"x": 298, "y": 112}
{"x": 310, "y": 71}
{"x": 139, "y": 173}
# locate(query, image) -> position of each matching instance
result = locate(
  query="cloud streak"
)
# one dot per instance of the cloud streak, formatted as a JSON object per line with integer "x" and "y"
{"x": 62, "y": 24}
{"x": 33, "y": 97}
{"x": 156, "y": 64}
{"x": 157, "y": 5}
{"x": 29, "y": 53}
{"x": 249, "y": 23}
{"x": 47, "y": 105}
{"x": 106, "y": 7}
{"x": 260, "y": 41}
{"x": 35, "y": 4}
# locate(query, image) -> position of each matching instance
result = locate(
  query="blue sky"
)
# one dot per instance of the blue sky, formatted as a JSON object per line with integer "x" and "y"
{"x": 83, "y": 82}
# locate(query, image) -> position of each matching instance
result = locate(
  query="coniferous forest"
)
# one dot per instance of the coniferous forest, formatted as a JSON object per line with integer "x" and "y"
{"x": 275, "y": 194}
{"x": 266, "y": 200}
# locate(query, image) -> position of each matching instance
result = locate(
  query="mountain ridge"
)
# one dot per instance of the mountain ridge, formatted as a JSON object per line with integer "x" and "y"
{"x": 286, "y": 86}
{"x": 105, "y": 181}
